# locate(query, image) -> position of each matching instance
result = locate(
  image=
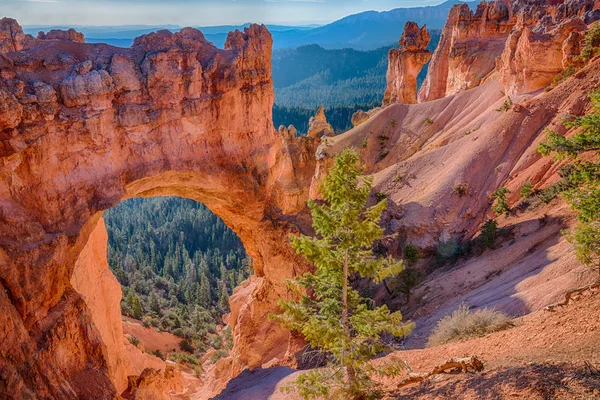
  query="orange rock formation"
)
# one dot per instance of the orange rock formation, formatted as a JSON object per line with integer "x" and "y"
{"x": 405, "y": 64}
{"x": 84, "y": 126}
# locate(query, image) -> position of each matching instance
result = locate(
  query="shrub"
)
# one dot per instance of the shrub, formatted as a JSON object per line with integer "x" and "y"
{"x": 428, "y": 121}
{"x": 380, "y": 196}
{"x": 184, "y": 358}
{"x": 407, "y": 281}
{"x": 398, "y": 178}
{"x": 186, "y": 345}
{"x": 526, "y": 190}
{"x": 363, "y": 144}
{"x": 157, "y": 353}
{"x": 466, "y": 324}
{"x": 500, "y": 204}
{"x": 217, "y": 355}
{"x": 489, "y": 230}
{"x": 384, "y": 154}
{"x": 393, "y": 122}
{"x": 448, "y": 251}
{"x": 410, "y": 254}
{"x": 507, "y": 105}
{"x": 461, "y": 189}
{"x": 591, "y": 43}
{"x": 134, "y": 341}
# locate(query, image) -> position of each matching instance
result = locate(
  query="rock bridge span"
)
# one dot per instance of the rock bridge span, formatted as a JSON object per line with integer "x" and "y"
{"x": 84, "y": 126}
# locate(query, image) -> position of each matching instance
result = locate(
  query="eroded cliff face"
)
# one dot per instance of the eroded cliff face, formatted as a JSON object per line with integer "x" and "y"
{"x": 523, "y": 43}
{"x": 84, "y": 126}
{"x": 469, "y": 44}
{"x": 405, "y": 64}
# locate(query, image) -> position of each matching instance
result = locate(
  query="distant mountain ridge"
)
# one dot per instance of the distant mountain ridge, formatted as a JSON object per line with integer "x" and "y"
{"x": 368, "y": 30}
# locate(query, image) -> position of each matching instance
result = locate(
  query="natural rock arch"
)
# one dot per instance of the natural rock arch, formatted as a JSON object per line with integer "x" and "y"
{"x": 84, "y": 126}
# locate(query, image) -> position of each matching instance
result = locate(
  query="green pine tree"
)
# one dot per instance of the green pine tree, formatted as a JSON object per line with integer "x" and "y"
{"x": 137, "y": 311}
{"x": 581, "y": 176}
{"x": 330, "y": 314}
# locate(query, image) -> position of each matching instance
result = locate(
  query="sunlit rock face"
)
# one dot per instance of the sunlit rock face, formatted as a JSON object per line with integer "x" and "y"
{"x": 405, "y": 64}
{"x": 84, "y": 126}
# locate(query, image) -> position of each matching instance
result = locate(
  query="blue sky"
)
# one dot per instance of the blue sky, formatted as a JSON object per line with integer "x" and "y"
{"x": 191, "y": 12}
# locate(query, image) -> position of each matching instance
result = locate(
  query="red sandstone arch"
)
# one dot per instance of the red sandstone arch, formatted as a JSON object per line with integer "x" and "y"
{"x": 84, "y": 126}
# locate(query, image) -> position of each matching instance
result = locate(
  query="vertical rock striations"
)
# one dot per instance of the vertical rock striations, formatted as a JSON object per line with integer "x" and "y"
{"x": 83, "y": 126}
{"x": 469, "y": 45}
{"x": 405, "y": 64}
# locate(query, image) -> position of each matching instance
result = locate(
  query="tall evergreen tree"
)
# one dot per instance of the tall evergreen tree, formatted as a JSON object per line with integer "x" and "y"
{"x": 330, "y": 314}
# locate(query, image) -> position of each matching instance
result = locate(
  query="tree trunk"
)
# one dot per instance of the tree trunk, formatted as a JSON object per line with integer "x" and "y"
{"x": 351, "y": 373}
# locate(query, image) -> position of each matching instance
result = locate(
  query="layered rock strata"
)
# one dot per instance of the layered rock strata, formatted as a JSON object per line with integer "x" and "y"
{"x": 84, "y": 126}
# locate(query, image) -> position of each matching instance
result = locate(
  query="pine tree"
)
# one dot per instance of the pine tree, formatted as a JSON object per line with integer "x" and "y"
{"x": 330, "y": 314}
{"x": 154, "y": 303}
{"x": 581, "y": 180}
{"x": 137, "y": 310}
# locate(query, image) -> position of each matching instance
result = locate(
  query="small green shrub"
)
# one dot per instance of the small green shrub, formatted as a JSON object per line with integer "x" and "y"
{"x": 217, "y": 355}
{"x": 134, "y": 341}
{"x": 398, "y": 178}
{"x": 157, "y": 353}
{"x": 186, "y": 345}
{"x": 466, "y": 324}
{"x": 461, "y": 189}
{"x": 489, "y": 231}
{"x": 507, "y": 105}
{"x": 407, "y": 281}
{"x": 380, "y": 196}
{"x": 384, "y": 154}
{"x": 411, "y": 254}
{"x": 428, "y": 121}
{"x": 448, "y": 251}
{"x": 363, "y": 144}
{"x": 500, "y": 203}
{"x": 591, "y": 43}
{"x": 526, "y": 190}
{"x": 184, "y": 358}
{"x": 393, "y": 122}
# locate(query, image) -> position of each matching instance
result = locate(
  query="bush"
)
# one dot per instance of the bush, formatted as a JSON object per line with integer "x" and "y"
{"x": 134, "y": 341}
{"x": 507, "y": 105}
{"x": 428, "y": 121}
{"x": 461, "y": 189}
{"x": 526, "y": 190}
{"x": 407, "y": 281}
{"x": 448, "y": 251}
{"x": 217, "y": 355}
{"x": 157, "y": 353}
{"x": 411, "y": 254}
{"x": 500, "y": 203}
{"x": 466, "y": 324}
{"x": 489, "y": 230}
{"x": 186, "y": 345}
{"x": 184, "y": 358}
{"x": 591, "y": 43}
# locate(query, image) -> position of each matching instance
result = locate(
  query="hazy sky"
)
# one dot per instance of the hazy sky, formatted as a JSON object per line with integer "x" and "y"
{"x": 190, "y": 12}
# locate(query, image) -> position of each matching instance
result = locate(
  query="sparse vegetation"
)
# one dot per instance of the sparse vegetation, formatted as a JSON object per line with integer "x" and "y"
{"x": 526, "y": 190}
{"x": 334, "y": 319}
{"x": 500, "y": 205}
{"x": 411, "y": 254}
{"x": 564, "y": 75}
{"x": 364, "y": 143}
{"x": 489, "y": 231}
{"x": 591, "y": 43}
{"x": 393, "y": 122}
{"x": 461, "y": 189}
{"x": 406, "y": 282}
{"x": 384, "y": 154}
{"x": 380, "y": 196}
{"x": 580, "y": 184}
{"x": 448, "y": 251}
{"x": 465, "y": 324}
{"x": 134, "y": 340}
{"x": 398, "y": 178}
{"x": 428, "y": 121}
{"x": 506, "y": 106}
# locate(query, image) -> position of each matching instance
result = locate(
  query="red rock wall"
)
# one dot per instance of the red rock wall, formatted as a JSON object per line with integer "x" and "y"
{"x": 84, "y": 126}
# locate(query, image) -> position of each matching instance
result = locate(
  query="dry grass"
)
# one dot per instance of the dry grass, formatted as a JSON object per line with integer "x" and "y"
{"x": 467, "y": 324}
